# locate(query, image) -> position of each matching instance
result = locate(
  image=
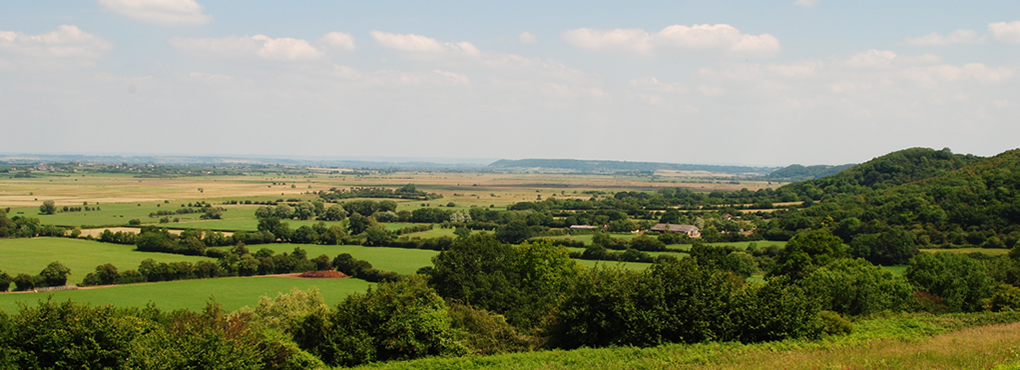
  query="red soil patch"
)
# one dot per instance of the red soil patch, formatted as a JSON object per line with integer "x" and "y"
{"x": 328, "y": 274}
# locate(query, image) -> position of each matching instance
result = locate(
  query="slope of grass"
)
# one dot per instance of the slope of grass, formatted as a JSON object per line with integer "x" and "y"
{"x": 232, "y": 293}
{"x": 30, "y": 256}
{"x": 901, "y": 342}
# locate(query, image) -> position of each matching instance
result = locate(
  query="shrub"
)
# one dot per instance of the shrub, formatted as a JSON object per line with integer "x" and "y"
{"x": 71, "y": 336}
{"x": 55, "y": 274}
{"x": 395, "y": 321}
{"x": 834, "y": 324}
{"x": 24, "y": 282}
{"x": 213, "y": 340}
{"x": 856, "y": 287}
{"x": 960, "y": 281}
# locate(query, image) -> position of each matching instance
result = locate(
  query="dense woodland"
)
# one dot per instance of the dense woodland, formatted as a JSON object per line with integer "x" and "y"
{"x": 502, "y": 286}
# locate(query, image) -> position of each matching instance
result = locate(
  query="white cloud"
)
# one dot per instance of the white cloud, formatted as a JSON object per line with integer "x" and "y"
{"x": 527, "y": 38}
{"x": 722, "y": 37}
{"x": 258, "y": 46}
{"x": 565, "y": 91}
{"x": 1006, "y": 32}
{"x": 435, "y": 77}
{"x": 423, "y": 45}
{"x": 653, "y": 84}
{"x": 67, "y": 46}
{"x": 806, "y": 3}
{"x": 956, "y": 37}
{"x": 341, "y": 40}
{"x": 164, "y": 12}
{"x": 872, "y": 59}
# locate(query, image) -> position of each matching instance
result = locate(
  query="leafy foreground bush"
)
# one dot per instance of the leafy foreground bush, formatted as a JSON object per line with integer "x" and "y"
{"x": 78, "y": 336}
{"x": 396, "y": 321}
{"x": 679, "y": 301}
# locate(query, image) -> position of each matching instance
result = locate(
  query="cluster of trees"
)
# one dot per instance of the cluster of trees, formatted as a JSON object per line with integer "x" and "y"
{"x": 54, "y": 275}
{"x": 92, "y": 337}
{"x": 236, "y": 261}
{"x": 408, "y": 191}
{"x": 26, "y": 227}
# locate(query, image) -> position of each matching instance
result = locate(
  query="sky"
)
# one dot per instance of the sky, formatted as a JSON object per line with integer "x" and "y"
{"x": 763, "y": 83}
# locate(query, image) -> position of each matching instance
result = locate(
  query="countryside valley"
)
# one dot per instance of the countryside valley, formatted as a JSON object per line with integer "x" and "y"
{"x": 909, "y": 260}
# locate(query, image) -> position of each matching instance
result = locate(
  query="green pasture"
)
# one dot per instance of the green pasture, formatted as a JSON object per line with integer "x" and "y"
{"x": 232, "y": 293}
{"x": 989, "y": 251}
{"x": 237, "y": 217}
{"x": 30, "y": 256}
{"x": 434, "y": 233}
{"x": 626, "y": 265}
{"x": 399, "y": 260}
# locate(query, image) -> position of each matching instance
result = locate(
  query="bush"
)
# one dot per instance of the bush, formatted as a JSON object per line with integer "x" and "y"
{"x": 55, "y": 274}
{"x": 834, "y": 324}
{"x": 213, "y": 340}
{"x": 396, "y": 321}
{"x": 487, "y": 333}
{"x": 24, "y": 282}
{"x": 71, "y": 336}
{"x": 959, "y": 281}
{"x": 856, "y": 287}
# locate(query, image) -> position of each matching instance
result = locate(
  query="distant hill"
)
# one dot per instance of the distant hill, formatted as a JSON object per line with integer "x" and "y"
{"x": 796, "y": 172}
{"x": 592, "y": 166}
{"x": 917, "y": 197}
{"x": 893, "y": 169}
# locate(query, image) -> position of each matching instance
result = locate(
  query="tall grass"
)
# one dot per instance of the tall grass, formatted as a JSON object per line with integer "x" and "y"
{"x": 910, "y": 341}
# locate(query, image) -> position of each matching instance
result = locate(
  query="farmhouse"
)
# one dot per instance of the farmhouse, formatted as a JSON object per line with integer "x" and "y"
{"x": 583, "y": 227}
{"x": 690, "y": 230}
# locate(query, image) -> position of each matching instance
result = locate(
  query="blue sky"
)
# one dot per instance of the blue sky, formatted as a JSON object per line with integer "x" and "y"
{"x": 718, "y": 82}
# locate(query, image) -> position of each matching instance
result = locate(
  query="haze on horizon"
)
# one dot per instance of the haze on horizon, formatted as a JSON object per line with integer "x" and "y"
{"x": 761, "y": 83}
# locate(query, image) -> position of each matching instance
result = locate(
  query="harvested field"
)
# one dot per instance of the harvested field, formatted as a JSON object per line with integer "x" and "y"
{"x": 327, "y": 274}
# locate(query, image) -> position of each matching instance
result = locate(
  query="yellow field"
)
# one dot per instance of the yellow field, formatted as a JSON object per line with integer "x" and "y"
{"x": 464, "y": 189}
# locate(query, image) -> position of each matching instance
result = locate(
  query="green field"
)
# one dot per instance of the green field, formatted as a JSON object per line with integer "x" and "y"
{"x": 988, "y": 251}
{"x": 399, "y": 260}
{"x": 232, "y": 293}
{"x": 30, "y": 256}
{"x": 626, "y": 265}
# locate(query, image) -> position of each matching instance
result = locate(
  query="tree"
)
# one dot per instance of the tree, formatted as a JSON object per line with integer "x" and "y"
{"x": 304, "y": 211}
{"x": 24, "y": 282}
{"x": 264, "y": 212}
{"x": 395, "y": 321}
{"x": 357, "y": 223}
{"x": 892, "y": 247}
{"x": 283, "y": 212}
{"x": 48, "y": 207}
{"x": 671, "y": 216}
{"x": 806, "y": 251}
{"x": 856, "y": 287}
{"x": 5, "y": 281}
{"x": 958, "y": 280}
{"x": 334, "y": 213}
{"x": 523, "y": 283}
{"x": 514, "y": 232}
{"x": 55, "y": 274}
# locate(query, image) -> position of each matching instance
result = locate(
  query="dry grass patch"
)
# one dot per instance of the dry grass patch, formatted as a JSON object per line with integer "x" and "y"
{"x": 973, "y": 348}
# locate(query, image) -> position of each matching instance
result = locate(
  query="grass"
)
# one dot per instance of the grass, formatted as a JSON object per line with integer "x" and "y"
{"x": 989, "y": 251}
{"x": 626, "y": 265}
{"x": 403, "y": 261}
{"x": 232, "y": 293}
{"x": 913, "y": 341}
{"x": 30, "y": 256}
